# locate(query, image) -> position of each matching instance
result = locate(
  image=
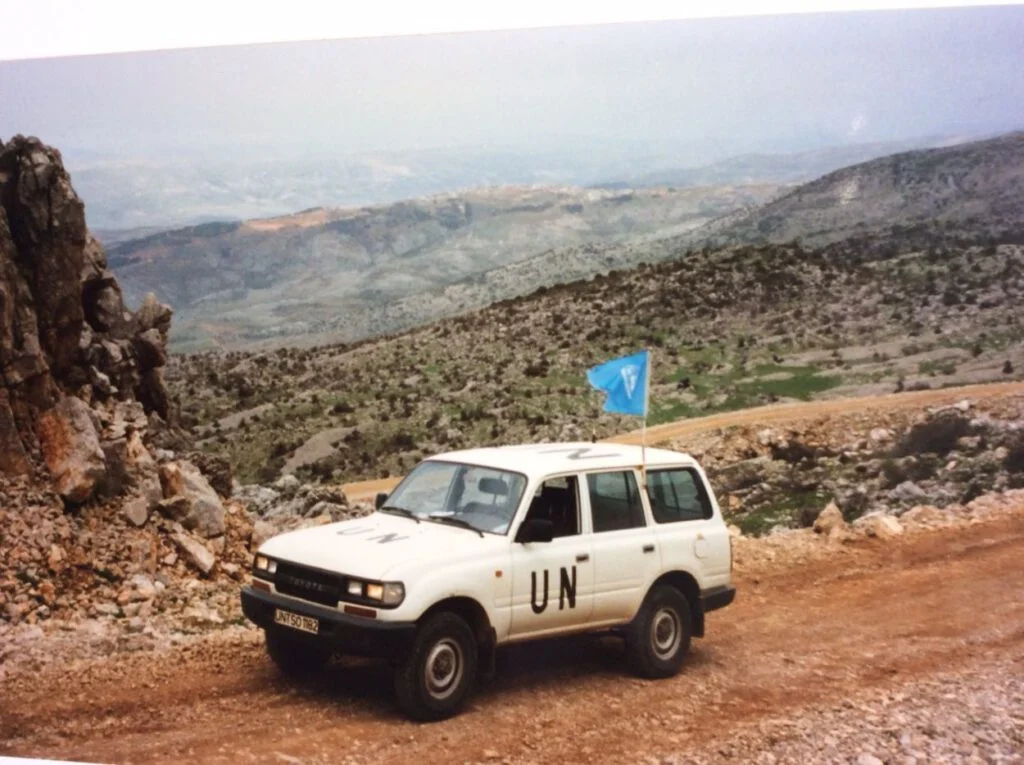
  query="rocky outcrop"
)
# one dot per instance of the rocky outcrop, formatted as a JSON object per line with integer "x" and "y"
{"x": 71, "y": 352}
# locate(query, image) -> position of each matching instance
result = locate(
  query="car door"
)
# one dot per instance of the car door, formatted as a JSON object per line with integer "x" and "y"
{"x": 625, "y": 552}
{"x": 689, "y": 529}
{"x": 553, "y": 582}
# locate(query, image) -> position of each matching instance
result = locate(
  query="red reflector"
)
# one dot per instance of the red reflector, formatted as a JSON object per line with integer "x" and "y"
{"x": 369, "y": 613}
{"x": 259, "y": 584}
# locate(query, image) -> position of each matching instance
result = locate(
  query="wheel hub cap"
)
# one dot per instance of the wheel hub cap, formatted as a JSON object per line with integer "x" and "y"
{"x": 443, "y": 668}
{"x": 665, "y": 633}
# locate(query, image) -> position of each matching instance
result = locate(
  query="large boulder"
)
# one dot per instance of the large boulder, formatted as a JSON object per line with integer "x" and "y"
{"x": 71, "y": 449}
{"x": 194, "y": 502}
{"x": 937, "y": 433}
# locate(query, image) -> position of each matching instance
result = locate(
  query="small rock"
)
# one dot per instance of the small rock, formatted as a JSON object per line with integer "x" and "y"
{"x": 879, "y": 525}
{"x": 829, "y": 519}
{"x": 56, "y": 557}
{"x": 136, "y": 510}
{"x": 908, "y": 491}
{"x": 287, "y": 484}
{"x": 144, "y": 589}
{"x": 195, "y": 553}
{"x": 880, "y": 435}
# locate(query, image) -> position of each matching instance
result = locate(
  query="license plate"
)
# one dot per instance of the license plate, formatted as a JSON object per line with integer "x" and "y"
{"x": 296, "y": 621}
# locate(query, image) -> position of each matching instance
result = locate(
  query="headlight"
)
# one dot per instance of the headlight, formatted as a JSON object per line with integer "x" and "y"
{"x": 387, "y": 593}
{"x": 263, "y": 563}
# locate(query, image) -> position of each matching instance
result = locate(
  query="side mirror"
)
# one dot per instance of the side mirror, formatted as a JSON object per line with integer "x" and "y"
{"x": 536, "y": 530}
{"x": 379, "y": 501}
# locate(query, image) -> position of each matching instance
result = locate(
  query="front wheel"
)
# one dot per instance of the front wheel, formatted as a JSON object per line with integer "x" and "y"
{"x": 658, "y": 639}
{"x": 296, "y": 659}
{"x": 435, "y": 678}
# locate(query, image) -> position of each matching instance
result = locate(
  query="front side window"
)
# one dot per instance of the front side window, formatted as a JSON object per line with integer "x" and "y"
{"x": 556, "y": 500}
{"x": 677, "y": 495}
{"x": 615, "y": 501}
{"x": 483, "y": 498}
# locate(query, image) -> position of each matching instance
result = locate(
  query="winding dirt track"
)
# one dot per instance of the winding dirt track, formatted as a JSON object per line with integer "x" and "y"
{"x": 766, "y": 415}
{"x": 873, "y": 615}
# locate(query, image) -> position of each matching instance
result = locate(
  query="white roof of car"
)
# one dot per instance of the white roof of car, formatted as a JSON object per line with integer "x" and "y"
{"x": 547, "y": 459}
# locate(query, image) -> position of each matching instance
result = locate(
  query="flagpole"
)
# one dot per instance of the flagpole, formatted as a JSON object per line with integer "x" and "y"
{"x": 643, "y": 431}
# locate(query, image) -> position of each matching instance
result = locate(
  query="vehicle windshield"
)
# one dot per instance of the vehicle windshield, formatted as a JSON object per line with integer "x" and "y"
{"x": 485, "y": 498}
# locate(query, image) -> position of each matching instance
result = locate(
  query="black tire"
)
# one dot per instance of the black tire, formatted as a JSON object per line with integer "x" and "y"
{"x": 658, "y": 639}
{"x": 434, "y": 679}
{"x": 297, "y": 659}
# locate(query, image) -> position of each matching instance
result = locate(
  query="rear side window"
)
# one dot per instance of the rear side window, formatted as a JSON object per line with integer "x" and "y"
{"x": 615, "y": 501}
{"x": 677, "y": 495}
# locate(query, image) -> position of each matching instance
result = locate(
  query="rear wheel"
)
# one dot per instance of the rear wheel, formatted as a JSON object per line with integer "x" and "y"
{"x": 296, "y": 658}
{"x": 435, "y": 678}
{"x": 659, "y": 638}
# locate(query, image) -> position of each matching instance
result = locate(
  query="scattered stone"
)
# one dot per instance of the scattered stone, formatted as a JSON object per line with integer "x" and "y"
{"x": 287, "y": 484}
{"x": 908, "y": 491}
{"x": 194, "y": 552}
{"x": 880, "y": 435}
{"x": 136, "y": 510}
{"x": 879, "y": 525}
{"x": 205, "y": 512}
{"x": 829, "y": 519}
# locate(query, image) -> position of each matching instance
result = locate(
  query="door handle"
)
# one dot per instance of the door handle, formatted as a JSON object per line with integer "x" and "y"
{"x": 648, "y": 548}
{"x": 582, "y": 558}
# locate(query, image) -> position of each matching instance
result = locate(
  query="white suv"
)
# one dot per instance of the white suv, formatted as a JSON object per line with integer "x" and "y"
{"x": 479, "y": 548}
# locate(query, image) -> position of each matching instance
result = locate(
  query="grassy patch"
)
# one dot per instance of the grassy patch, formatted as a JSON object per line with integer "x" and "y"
{"x": 785, "y": 512}
{"x": 946, "y": 366}
{"x": 803, "y": 384}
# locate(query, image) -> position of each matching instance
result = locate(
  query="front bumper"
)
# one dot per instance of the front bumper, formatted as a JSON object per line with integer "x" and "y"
{"x": 355, "y": 635}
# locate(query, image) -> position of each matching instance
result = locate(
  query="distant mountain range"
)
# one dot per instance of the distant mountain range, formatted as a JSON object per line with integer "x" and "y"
{"x": 337, "y": 274}
{"x": 336, "y": 269}
{"x": 175, "y": 191}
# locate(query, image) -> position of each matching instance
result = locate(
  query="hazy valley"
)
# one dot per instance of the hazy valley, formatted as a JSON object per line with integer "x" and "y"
{"x": 346, "y": 272}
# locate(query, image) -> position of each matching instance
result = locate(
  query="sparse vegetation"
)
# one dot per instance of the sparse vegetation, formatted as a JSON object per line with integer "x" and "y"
{"x": 730, "y": 329}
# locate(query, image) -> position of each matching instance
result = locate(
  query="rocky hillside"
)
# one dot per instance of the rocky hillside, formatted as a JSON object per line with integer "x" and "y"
{"x": 729, "y": 328}
{"x": 978, "y": 184}
{"x": 343, "y": 270}
{"x": 99, "y": 500}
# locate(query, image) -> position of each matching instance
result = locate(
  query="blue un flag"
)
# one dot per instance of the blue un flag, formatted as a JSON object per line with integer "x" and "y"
{"x": 625, "y": 382}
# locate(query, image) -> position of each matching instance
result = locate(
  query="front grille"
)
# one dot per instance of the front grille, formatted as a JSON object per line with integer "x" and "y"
{"x": 308, "y": 584}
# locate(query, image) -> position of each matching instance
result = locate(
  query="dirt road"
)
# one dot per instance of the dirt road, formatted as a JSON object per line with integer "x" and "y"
{"x": 766, "y": 415}
{"x": 873, "y": 615}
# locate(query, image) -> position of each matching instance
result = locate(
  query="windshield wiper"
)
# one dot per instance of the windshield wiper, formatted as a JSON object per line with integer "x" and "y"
{"x": 394, "y": 510}
{"x": 455, "y": 522}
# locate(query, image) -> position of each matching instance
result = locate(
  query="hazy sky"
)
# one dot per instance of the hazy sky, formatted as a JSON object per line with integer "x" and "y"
{"x": 769, "y": 83}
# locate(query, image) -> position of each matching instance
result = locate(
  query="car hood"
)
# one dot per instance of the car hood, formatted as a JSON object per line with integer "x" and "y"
{"x": 381, "y": 546}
